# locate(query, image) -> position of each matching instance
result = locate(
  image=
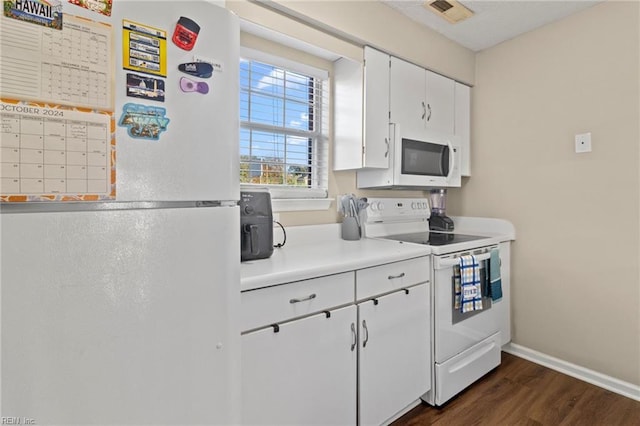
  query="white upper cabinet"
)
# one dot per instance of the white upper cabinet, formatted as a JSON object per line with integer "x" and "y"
{"x": 407, "y": 98}
{"x": 376, "y": 108}
{"x": 384, "y": 97}
{"x": 361, "y": 112}
{"x": 440, "y": 103}
{"x": 462, "y": 126}
{"x": 421, "y": 101}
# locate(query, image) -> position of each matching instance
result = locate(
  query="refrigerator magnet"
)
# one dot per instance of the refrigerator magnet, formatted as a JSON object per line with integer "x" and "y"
{"x": 145, "y": 87}
{"x": 100, "y": 6}
{"x": 197, "y": 69}
{"x": 185, "y": 33}
{"x": 47, "y": 14}
{"x": 144, "y": 48}
{"x": 187, "y": 85}
{"x": 143, "y": 121}
{"x": 217, "y": 65}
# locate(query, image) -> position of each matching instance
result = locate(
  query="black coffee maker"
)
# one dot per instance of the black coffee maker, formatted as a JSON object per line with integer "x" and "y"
{"x": 438, "y": 220}
{"x": 256, "y": 225}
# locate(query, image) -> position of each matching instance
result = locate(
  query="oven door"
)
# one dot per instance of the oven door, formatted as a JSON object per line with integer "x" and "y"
{"x": 456, "y": 331}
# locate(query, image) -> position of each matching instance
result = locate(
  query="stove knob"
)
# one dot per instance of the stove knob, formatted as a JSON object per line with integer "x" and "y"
{"x": 413, "y": 206}
{"x": 380, "y": 206}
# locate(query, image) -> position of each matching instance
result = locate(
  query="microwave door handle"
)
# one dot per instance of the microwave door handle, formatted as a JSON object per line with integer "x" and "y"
{"x": 452, "y": 160}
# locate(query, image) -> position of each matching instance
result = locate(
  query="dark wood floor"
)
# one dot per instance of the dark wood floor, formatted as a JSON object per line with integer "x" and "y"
{"x": 520, "y": 392}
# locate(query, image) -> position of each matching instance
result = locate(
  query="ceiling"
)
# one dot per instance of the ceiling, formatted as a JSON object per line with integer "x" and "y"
{"x": 493, "y": 21}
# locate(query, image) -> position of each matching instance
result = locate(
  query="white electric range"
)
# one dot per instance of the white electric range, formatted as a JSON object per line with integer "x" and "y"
{"x": 464, "y": 346}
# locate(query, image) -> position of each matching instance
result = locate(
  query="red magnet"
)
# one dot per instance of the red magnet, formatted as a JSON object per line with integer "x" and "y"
{"x": 186, "y": 33}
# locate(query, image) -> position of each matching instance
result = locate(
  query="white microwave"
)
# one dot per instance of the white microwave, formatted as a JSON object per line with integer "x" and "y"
{"x": 429, "y": 162}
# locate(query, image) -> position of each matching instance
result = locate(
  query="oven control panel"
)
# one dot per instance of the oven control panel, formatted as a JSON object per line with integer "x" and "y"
{"x": 397, "y": 209}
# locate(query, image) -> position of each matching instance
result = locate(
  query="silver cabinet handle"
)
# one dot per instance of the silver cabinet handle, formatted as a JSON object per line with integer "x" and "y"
{"x": 393, "y": 277}
{"x": 354, "y": 337}
{"x": 386, "y": 141}
{"x": 309, "y": 297}
{"x": 366, "y": 333}
{"x": 429, "y": 116}
{"x": 424, "y": 110}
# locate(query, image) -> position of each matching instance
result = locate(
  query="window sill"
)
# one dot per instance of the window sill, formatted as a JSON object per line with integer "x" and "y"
{"x": 300, "y": 204}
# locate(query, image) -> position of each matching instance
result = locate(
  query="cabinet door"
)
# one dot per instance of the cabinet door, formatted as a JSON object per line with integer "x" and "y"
{"x": 395, "y": 355}
{"x": 303, "y": 374}
{"x": 440, "y": 103}
{"x": 462, "y": 126}
{"x": 376, "y": 109}
{"x": 348, "y": 114}
{"x": 407, "y": 98}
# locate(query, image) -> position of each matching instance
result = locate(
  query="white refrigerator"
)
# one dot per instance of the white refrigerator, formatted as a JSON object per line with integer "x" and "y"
{"x": 124, "y": 311}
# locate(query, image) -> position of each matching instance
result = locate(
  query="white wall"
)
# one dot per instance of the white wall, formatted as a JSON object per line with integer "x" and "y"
{"x": 576, "y": 288}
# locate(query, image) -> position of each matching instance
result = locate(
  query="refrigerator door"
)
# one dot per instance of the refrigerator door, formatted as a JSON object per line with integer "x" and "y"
{"x": 197, "y": 157}
{"x": 121, "y": 317}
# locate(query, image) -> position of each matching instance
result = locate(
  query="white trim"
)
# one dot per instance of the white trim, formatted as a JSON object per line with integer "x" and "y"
{"x": 298, "y": 205}
{"x": 286, "y": 40}
{"x": 283, "y": 191}
{"x": 320, "y": 144}
{"x": 590, "y": 376}
{"x": 270, "y": 59}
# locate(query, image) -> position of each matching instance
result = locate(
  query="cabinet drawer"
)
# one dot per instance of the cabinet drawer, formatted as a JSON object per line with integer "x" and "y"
{"x": 283, "y": 302}
{"x": 392, "y": 276}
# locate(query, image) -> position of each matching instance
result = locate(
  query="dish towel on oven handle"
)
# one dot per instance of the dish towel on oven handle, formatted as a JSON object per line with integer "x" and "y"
{"x": 495, "y": 279}
{"x": 470, "y": 285}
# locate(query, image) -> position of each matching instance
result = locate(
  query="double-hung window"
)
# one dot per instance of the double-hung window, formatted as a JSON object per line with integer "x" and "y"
{"x": 283, "y": 129}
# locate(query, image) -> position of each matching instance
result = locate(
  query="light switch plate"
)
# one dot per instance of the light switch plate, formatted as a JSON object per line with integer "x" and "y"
{"x": 583, "y": 142}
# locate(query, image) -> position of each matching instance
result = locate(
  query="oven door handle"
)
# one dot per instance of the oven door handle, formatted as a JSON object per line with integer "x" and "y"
{"x": 448, "y": 263}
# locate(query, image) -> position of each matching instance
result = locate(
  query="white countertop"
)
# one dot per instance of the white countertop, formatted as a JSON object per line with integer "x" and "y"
{"x": 314, "y": 251}
{"x": 317, "y": 250}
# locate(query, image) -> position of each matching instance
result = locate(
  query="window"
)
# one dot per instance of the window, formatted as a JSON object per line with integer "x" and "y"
{"x": 283, "y": 136}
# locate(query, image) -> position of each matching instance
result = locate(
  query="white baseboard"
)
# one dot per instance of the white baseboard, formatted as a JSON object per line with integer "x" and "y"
{"x": 590, "y": 376}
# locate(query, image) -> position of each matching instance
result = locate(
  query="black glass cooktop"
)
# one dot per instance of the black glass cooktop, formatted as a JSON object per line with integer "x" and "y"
{"x": 434, "y": 238}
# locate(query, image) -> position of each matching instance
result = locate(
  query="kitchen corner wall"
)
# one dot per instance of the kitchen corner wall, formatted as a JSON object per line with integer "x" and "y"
{"x": 343, "y": 27}
{"x": 576, "y": 284}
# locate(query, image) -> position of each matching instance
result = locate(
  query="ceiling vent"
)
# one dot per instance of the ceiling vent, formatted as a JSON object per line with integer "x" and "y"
{"x": 450, "y": 10}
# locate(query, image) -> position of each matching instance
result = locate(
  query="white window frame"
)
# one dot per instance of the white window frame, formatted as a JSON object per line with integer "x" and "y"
{"x": 292, "y": 198}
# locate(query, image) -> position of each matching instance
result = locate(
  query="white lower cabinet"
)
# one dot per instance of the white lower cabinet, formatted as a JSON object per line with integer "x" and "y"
{"x": 344, "y": 349}
{"x": 303, "y": 374}
{"x": 394, "y": 354}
